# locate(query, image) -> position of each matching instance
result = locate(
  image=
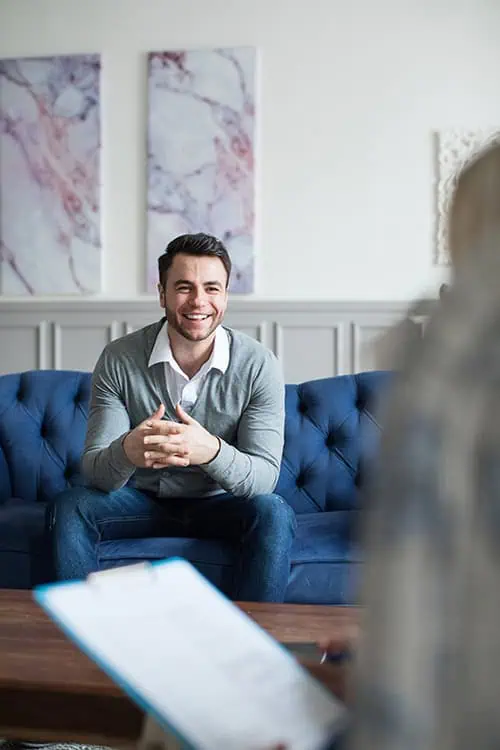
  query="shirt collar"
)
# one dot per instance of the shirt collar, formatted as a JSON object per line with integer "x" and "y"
{"x": 219, "y": 359}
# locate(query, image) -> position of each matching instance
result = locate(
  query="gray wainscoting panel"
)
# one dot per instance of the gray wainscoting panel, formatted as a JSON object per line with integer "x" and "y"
{"x": 76, "y": 345}
{"x": 23, "y": 344}
{"x": 311, "y": 339}
{"x": 309, "y": 351}
{"x": 365, "y": 346}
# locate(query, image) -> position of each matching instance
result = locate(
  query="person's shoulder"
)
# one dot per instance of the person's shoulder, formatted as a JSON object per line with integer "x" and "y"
{"x": 242, "y": 344}
{"x": 245, "y": 351}
{"x": 135, "y": 345}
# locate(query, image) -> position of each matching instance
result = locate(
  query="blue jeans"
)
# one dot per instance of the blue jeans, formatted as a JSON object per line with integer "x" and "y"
{"x": 264, "y": 527}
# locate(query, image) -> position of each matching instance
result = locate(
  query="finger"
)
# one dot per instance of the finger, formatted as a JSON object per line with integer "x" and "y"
{"x": 165, "y": 427}
{"x": 333, "y": 643}
{"x": 153, "y": 456}
{"x": 164, "y": 460}
{"x": 167, "y": 449}
{"x": 183, "y": 416}
{"x": 171, "y": 461}
{"x": 344, "y": 638}
{"x": 159, "y": 439}
{"x": 158, "y": 414}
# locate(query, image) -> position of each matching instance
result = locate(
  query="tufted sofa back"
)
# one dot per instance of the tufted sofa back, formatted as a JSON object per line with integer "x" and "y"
{"x": 330, "y": 433}
{"x": 43, "y": 416}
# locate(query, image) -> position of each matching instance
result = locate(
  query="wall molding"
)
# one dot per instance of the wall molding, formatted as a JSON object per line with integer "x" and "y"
{"x": 311, "y": 338}
{"x": 236, "y": 304}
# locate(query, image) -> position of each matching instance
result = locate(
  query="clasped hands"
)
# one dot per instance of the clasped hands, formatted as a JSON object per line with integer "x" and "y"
{"x": 157, "y": 443}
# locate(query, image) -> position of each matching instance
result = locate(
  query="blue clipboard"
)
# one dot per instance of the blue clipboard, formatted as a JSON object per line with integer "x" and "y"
{"x": 188, "y": 657}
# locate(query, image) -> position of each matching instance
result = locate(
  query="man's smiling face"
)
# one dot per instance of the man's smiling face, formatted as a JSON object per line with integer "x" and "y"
{"x": 195, "y": 295}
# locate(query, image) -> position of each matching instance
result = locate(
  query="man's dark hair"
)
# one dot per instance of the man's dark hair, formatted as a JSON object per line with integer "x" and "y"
{"x": 193, "y": 244}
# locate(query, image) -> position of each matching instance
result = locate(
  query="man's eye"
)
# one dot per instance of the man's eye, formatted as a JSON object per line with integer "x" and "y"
{"x": 213, "y": 289}
{"x": 183, "y": 289}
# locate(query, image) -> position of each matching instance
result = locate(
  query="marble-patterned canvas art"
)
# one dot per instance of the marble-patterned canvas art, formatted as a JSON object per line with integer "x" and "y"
{"x": 201, "y": 153}
{"x": 50, "y": 235}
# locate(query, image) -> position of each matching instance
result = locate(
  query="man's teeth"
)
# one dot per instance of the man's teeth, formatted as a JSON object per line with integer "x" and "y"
{"x": 196, "y": 317}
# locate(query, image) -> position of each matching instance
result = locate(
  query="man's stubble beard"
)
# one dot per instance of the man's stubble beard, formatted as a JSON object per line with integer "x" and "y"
{"x": 172, "y": 322}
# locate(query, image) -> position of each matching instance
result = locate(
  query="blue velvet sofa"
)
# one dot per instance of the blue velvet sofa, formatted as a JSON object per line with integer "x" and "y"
{"x": 331, "y": 434}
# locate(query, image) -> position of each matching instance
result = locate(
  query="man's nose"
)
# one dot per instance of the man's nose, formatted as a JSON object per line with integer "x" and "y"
{"x": 198, "y": 295}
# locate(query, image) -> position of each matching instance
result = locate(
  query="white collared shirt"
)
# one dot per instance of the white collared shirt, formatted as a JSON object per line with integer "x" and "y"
{"x": 182, "y": 389}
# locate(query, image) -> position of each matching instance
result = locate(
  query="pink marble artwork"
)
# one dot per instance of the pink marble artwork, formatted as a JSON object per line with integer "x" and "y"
{"x": 50, "y": 234}
{"x": 201, "y": 153}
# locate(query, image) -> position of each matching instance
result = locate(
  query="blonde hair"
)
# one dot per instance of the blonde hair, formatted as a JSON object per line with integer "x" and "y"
{"x": 474, "y": 219}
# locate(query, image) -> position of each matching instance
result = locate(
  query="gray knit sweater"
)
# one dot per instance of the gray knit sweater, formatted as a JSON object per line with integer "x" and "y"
{"x": 244, "y": 407}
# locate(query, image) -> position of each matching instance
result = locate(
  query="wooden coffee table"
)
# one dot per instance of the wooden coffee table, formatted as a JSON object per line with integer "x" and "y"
{"x": 51, "y": 691}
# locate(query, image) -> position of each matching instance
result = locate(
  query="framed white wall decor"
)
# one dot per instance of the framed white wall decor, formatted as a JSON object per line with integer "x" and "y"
{"x": 454, "y": 149}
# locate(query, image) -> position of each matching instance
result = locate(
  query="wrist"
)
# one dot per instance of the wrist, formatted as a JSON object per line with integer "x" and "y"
{"x": 124, "y": 443}
{"x": 120, "y": 455}
{"x": 214, "y": 452}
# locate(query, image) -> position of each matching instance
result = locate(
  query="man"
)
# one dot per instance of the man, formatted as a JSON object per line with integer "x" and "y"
{"x": 185, "y": 434}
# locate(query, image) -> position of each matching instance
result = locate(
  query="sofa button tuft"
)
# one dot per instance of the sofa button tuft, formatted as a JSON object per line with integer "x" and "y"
{"x": 330, "y": 440}
{"x": 300, "y": 481}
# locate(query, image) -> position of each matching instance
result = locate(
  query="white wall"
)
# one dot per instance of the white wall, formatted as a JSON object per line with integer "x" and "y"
{"x": 350, "y": 92}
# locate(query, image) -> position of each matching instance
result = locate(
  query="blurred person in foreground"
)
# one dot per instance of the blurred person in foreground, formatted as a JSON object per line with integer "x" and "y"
{"x": 426, "y": 674}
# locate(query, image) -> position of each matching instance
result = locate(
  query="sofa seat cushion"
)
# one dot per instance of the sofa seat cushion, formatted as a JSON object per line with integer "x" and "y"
{"x": 322, "y": 557}
{"x": 24, "y": 547}
{"x": 321, "y": 537}
{"x": 326, "y": 537}
{"x": 213, "y": 559}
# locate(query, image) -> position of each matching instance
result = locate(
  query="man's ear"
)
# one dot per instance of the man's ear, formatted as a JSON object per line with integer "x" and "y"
{"x": 161, "y": 294}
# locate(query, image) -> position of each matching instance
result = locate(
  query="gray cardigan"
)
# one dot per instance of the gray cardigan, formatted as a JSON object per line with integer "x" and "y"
{"x": 244, "y": 407}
